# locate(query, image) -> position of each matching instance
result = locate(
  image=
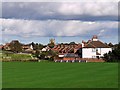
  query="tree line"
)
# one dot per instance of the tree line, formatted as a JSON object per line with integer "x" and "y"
{"x": 16, "y": 47}
{"x": 114, "y": 55}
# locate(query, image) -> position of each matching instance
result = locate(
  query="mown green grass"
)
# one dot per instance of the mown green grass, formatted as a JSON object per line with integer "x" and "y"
{"x": 59, "y": 75}
{"x": 6, "y": 55}
{"x": 20, "y": 56}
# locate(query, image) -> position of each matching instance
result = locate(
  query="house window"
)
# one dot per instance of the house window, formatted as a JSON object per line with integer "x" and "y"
{"x": 96, "y": 49}
{"x": 93, "y": 50}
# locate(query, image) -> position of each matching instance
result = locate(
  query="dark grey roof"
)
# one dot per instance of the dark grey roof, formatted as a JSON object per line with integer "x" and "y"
{"x": 70, "y": 55}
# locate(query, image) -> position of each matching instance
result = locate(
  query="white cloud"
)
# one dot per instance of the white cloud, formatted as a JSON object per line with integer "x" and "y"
{"x": 33, "y": 19}
{"x": 29, "y": 28}
{"x": 101, "y": 32}
{"x": 89, "y": 8}
{"x": 60, "y": 1}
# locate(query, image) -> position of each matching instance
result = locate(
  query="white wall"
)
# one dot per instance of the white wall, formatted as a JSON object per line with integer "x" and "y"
{"x": 61, "y": 55}
{"x": 105, "y": 50}
{"x": 88, "y": 52}
{"x": 44, "y": 49}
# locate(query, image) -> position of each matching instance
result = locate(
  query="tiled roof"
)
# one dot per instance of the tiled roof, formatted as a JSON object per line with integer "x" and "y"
{"x": 66, "y": 48}
{"x": 96, "y": 44}
{"x": 1, "y": 46}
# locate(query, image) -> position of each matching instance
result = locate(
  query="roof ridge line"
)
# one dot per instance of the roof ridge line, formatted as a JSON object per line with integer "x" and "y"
{"x": 104, "y": 44}
{"x": 90, "y": 44}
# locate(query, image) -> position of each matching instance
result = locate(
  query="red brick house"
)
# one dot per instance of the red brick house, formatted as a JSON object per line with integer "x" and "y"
{"x": 7, "y": 46}
{"x": 1, "y": 47}
{"x": 67, "y": 48}
{"x": 67, "y": 51}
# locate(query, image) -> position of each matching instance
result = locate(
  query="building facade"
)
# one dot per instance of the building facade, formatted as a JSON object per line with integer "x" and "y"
{"x": 94, "y": 48}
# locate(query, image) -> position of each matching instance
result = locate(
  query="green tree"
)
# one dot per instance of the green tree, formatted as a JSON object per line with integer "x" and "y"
{"x": 40, "y": 46}
{"x": 52, "y": 55}
{"x": 110, "y": 44}
{"x": 16, "y": 46}
{"x": 72, "y": 43}
{"x": 33, "y": 44}
{"x": 37, "y": 53}
{"x": 51, "y": 45}
{"x": 114, "y": 55}
{"x": 48, "y": 55}
{"x": 37, "y": 46}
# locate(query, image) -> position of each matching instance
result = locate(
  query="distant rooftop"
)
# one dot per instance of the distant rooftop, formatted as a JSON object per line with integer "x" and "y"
{"x": 95, "y": 43}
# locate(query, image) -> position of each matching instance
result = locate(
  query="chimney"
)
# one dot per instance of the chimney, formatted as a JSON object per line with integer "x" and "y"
{"x": 95, "y": 38}
{"x": 83, "y": 43}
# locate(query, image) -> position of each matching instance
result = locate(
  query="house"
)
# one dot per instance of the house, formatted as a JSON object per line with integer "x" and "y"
{"x": 94, "y": 48}
{"x": 27, "y": 48}
{"x": 68, "y": 51}
{"x": 1, "y": 47}
{"x": 7, "y": 46}
{"x": 47, "y": 48}
{"x": 66, "y": 48}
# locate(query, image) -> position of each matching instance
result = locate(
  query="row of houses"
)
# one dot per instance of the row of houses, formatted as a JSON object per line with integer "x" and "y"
{"x": 67, "y": 48}
{"x": 25, "y": 47}
{"x": 91, "y": 49}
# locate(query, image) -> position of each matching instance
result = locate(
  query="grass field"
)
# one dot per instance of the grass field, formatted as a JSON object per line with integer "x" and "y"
{"x": 9, "y": 56}
{"x": 59, "y": 75}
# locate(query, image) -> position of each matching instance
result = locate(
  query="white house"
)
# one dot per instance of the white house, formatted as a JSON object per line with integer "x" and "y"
{"x": 47, "y": 48}
{"x": 94, "y": 48}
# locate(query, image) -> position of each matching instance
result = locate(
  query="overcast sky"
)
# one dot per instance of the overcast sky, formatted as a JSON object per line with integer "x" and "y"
{"x": 64, "y": 21}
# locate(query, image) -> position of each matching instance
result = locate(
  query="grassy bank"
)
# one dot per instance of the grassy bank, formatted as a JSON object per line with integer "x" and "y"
{"x": 9, "y": 56}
